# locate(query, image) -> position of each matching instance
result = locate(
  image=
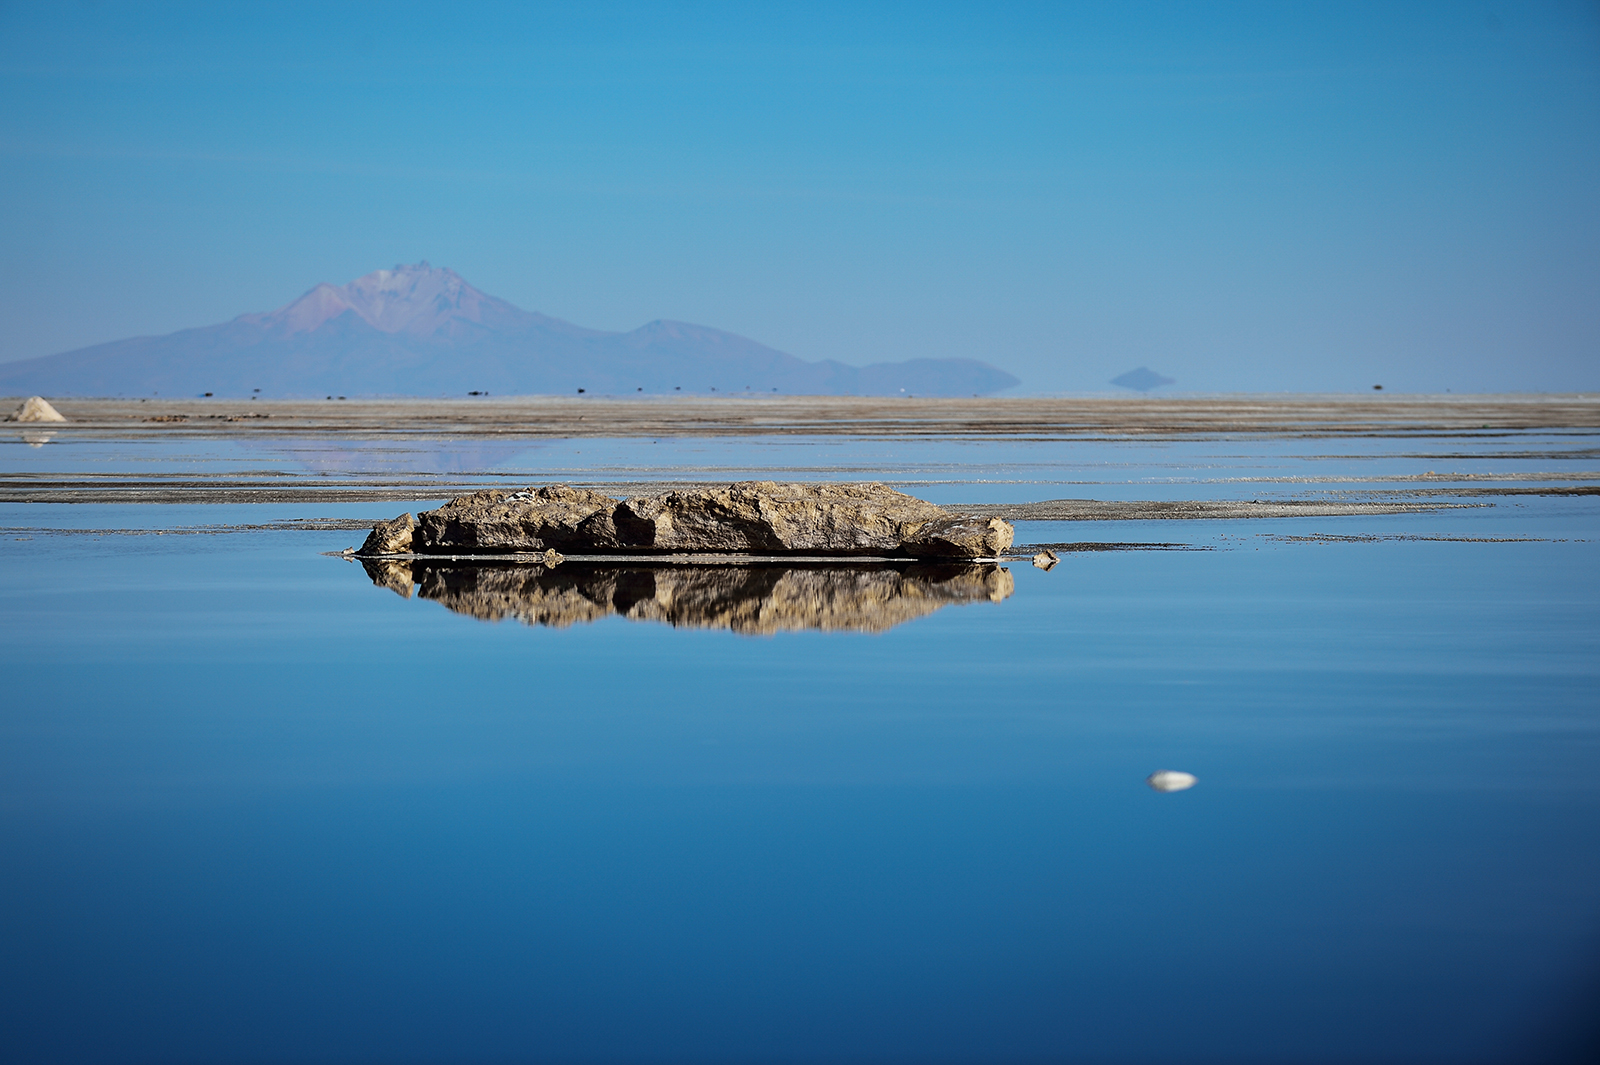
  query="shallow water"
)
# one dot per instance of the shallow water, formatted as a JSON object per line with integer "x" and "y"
{"x": 256, "y": 808}
{"x": 970, "y": 470}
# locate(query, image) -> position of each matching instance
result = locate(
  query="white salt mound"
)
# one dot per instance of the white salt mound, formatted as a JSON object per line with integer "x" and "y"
{"x": 1171, "y": 780}
{"x": 35, "y": 409}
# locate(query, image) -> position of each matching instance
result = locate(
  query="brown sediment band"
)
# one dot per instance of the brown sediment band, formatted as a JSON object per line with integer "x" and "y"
{"x": 1147, "y": 510}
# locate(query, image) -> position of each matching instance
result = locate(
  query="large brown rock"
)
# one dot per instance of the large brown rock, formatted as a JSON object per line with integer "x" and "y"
{"x": 531, "y": 520}
{"x": 752, "y": 517}
{"x": 763, "y": 517}
{"x": 961, "y": 536}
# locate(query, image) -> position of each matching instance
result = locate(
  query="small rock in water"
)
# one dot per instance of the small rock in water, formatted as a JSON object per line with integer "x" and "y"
{"x": 35, "y": 409}
{"x": 1171, "y": 780}
{"x": 1045, "y": 559}
{"x": 553, "y": 558}
{"x": 392, "y": 537}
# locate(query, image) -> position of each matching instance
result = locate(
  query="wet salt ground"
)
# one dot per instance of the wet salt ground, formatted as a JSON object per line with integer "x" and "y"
{"x": 255, "y": 808}
{"x": 972, "y": 470}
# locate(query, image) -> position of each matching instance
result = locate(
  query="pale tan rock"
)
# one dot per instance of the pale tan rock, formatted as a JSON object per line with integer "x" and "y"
{"x": 392, "y": 537}
{"x": 765, "y": 517}
{"x": 752, "y": 517}
{"x": 553, "y": 516}
{"x": 961, "y": 536}
{"x": 35, "y": 409}
{"x": 1045, "y": 560}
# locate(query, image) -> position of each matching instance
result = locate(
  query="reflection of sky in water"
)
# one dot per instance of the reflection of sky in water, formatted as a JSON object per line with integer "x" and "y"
{"x": 249, "y": 800}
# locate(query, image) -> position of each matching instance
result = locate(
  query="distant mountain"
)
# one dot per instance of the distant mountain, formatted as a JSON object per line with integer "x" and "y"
{"x": 1141, "y": 380}
{"x": 422, "y": 331}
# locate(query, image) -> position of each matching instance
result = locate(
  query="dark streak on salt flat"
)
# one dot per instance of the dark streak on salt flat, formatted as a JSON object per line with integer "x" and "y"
{"x": 1148, "y": 510}
{"x": 1376, "y": 538}
{"x": 1022, "y": 552}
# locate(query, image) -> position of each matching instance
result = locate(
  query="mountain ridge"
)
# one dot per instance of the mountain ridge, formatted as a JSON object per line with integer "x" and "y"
{"x": 424, "y": 330}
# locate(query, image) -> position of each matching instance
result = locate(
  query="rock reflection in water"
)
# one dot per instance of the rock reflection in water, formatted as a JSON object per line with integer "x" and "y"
{"x": 750, "y": 599}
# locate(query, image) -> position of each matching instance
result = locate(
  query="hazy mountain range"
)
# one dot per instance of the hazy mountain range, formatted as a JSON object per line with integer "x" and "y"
{"x": 422, "y": 331}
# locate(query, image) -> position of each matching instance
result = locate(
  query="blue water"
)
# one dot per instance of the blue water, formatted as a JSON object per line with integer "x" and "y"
{"x": 971, "y": 470}
{"x": 255, "y": 809}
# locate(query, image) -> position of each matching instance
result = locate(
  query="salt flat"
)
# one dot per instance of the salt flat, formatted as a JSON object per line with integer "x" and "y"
{"x": 409, "y": 450}
{"x": 246, "y": 781}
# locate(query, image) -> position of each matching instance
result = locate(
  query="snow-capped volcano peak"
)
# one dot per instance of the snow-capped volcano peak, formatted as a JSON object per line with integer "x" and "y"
{"x": 419, "y": 299}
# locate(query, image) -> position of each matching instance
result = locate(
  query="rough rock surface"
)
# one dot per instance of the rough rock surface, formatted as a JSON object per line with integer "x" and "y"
{"x": 755, "y": 600}
{"x": 961, "y": 536}
{"x": 392, "y": 537}
{"x": 752, "y": 517}
{"x": 553, "y": 516}
{"x": 35, "y": 409}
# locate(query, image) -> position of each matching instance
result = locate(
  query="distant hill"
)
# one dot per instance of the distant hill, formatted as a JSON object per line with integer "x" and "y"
{"x": 1141, "y": 380}
{"x": 421, "y": 331}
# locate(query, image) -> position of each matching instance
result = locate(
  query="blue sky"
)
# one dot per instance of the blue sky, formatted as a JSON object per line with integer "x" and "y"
{"x": 1242, "y": 197}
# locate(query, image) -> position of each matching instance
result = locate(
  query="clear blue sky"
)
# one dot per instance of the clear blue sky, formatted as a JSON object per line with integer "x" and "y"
{"x": 1241, "y": 196}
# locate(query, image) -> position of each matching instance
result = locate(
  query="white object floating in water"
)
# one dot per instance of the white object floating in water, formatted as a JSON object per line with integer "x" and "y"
{"x": 1171, "y": 780}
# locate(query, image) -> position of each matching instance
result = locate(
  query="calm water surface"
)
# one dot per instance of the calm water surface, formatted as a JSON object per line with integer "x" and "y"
{"x": 255, "y": 808}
